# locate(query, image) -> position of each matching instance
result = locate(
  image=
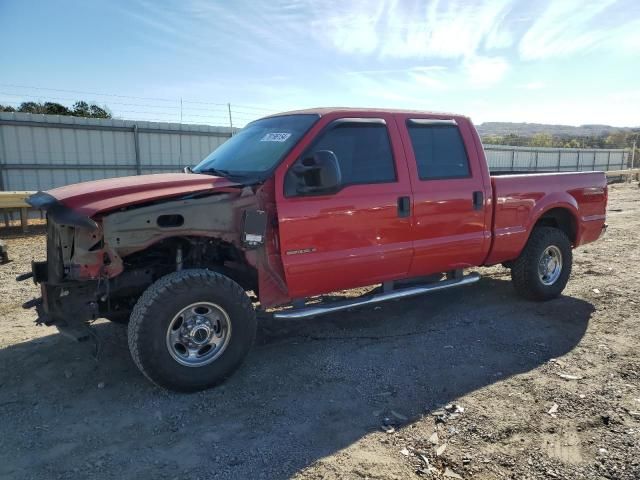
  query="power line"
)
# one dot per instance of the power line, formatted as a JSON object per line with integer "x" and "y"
{"x": 254, "y": 108}
{"x": 242, "y": 112}
{"x": 244, "y": 109}
{"x": 206, "y": 103}
{"x": 122, "y": 104}
{"x": 86, "y": 93}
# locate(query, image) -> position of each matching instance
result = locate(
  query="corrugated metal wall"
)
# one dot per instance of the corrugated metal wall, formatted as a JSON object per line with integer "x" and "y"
{"x": 38, "y": 152}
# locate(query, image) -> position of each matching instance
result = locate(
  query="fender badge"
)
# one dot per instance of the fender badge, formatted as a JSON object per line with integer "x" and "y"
{"x": 303, "y": 250}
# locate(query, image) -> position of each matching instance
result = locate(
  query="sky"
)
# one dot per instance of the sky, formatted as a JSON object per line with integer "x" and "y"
{"x": 563, "y": 61}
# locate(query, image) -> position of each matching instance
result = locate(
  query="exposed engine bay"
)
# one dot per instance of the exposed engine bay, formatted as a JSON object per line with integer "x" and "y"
{"x": 98, "y": 267}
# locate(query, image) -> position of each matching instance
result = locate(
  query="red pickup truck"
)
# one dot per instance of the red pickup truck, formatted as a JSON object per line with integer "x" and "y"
{"x": 295, "y": 206}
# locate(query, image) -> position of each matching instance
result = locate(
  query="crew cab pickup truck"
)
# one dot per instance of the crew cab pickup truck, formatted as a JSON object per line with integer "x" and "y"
{"x": 292, "y": 207}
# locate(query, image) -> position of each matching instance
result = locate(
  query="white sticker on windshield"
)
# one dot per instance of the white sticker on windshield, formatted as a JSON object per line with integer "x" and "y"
{"x": 275, "y": 137}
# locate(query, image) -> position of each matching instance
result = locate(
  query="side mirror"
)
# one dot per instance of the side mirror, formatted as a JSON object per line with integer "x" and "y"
{"x": 318, "y": 173}
{"x": 187, "y": 170}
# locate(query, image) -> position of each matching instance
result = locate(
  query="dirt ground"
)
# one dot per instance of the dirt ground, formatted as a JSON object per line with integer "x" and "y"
{"x": 469, "y": 383}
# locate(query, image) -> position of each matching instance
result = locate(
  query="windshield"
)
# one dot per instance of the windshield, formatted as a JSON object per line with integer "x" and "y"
{"x": 258, "y": 147}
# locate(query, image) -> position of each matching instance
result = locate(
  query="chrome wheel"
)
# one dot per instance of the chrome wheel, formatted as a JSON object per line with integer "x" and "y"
{"x": 198, "y": 334}
{"x": 550, "y": 265}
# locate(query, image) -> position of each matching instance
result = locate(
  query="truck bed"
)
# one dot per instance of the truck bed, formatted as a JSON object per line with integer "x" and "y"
{"x": 522, "y": 199}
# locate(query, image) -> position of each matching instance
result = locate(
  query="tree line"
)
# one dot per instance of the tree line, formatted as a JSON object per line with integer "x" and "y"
{"x": 623, "y": 139}
{"x": 79, "y": 109}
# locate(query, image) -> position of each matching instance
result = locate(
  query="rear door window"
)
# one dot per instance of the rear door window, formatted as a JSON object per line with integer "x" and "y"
{"x": 438, "y": 149}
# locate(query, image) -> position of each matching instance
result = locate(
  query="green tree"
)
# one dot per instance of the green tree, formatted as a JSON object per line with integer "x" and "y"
{"x": 541, "y": 140}
{"x": 31, "y": 107}
{"x": 99, "y": 112}
{"x": 84, "y": 109}
{"x": 573, "y": 143}
{"x": 53, "y": 108}
{"x": 81, "y": 109}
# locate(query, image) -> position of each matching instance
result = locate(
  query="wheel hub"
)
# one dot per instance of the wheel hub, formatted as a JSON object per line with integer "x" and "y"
{"x": 550, "y": 265}
{"x": 198, "y": 334}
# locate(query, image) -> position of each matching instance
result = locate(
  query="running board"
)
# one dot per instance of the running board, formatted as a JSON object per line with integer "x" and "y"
{"x": 314, "y": 311}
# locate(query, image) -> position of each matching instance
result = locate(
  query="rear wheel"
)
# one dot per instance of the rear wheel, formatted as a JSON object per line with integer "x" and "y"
{"x": 542, "y": 270}
{"x": 191, "y": 329}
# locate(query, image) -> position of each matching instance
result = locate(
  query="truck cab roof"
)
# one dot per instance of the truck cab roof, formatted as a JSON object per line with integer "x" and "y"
{"x": 322, "y": 111}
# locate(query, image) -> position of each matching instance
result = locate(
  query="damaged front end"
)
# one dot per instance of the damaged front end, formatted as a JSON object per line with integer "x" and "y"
{"x": 75, "y": 275}
{"x": 97, "y": 267}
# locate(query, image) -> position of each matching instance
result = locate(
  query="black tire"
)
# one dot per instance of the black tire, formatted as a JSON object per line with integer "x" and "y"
{"x": 524, "y": 270}
{"x": 157, "y": 307}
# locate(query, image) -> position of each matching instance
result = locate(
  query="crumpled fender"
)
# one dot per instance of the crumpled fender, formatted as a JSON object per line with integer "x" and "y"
{"x": 60, "y": 213}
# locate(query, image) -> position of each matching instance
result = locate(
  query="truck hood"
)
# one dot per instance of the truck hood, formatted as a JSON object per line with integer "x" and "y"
{"x": 91, "y": 198}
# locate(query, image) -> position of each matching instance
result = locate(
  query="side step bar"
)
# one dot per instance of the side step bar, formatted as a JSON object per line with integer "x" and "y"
{"x": 314, "y": 311}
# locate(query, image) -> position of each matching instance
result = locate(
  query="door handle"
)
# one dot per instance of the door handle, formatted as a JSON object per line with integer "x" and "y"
{"x": 478, "y": 200}
{"x": 404, "y": 207}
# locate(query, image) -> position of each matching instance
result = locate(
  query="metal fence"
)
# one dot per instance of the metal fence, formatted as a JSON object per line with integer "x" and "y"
{"x": 527, "y": 159}
{"x": 38, "y": 152}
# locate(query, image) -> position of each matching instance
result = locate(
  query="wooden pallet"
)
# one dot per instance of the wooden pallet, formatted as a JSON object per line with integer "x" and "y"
{"x": 12, "y": 201}
{"x": 631, "y": 172}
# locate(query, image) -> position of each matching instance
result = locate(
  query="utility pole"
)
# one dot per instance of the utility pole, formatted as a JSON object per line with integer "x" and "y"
{"x": 633, "y": 154}
{"x": 230, "y": 119}
{"x": 180, "y": 135}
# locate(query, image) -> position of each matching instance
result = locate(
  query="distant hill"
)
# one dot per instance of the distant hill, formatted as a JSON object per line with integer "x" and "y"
{"x": 530, "y": 129}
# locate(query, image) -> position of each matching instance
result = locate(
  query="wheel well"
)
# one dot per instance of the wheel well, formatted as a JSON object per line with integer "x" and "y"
{"x": 562, "y": 219}
{"x": 197, "y": 252}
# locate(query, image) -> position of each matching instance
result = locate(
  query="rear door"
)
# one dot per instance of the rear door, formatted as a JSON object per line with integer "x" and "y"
{"x": 450, "y": 192}
{"x": 361, "y": 234}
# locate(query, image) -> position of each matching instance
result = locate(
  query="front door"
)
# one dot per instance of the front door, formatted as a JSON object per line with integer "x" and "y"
{"x": 360, "y": 234}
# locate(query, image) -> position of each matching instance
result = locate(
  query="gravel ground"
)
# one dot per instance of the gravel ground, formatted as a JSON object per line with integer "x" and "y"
{"x": 469, "y": 383}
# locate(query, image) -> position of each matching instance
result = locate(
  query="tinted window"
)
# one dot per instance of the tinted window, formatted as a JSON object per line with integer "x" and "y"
{"x": 439, "y": 151}
{"x": 363, "y": 151}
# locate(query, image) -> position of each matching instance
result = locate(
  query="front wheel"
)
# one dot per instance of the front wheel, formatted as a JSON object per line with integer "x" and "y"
{"x": 191, "y": 329}
{"x": 543, "y": 268}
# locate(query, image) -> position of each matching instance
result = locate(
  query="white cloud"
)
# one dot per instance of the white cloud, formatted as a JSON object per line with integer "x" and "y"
{"x": 577, "y": 26}
{"x": 434, "y": 77}
{"x": 351, "y": 27}
{"x": 411, "y": 53}
{"x": 412, "y": 29}
{"x": 416, "y": 69}
{"x": 485, "y": 71}
{"x": 458, "y": 29}
{"x": 427, "y": 80}
{"x": 534, "y": 86}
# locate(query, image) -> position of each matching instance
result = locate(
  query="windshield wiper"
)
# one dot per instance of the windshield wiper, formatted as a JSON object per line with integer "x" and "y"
{"x": 246, "y": 179}
{"x": 218, "y": 172}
